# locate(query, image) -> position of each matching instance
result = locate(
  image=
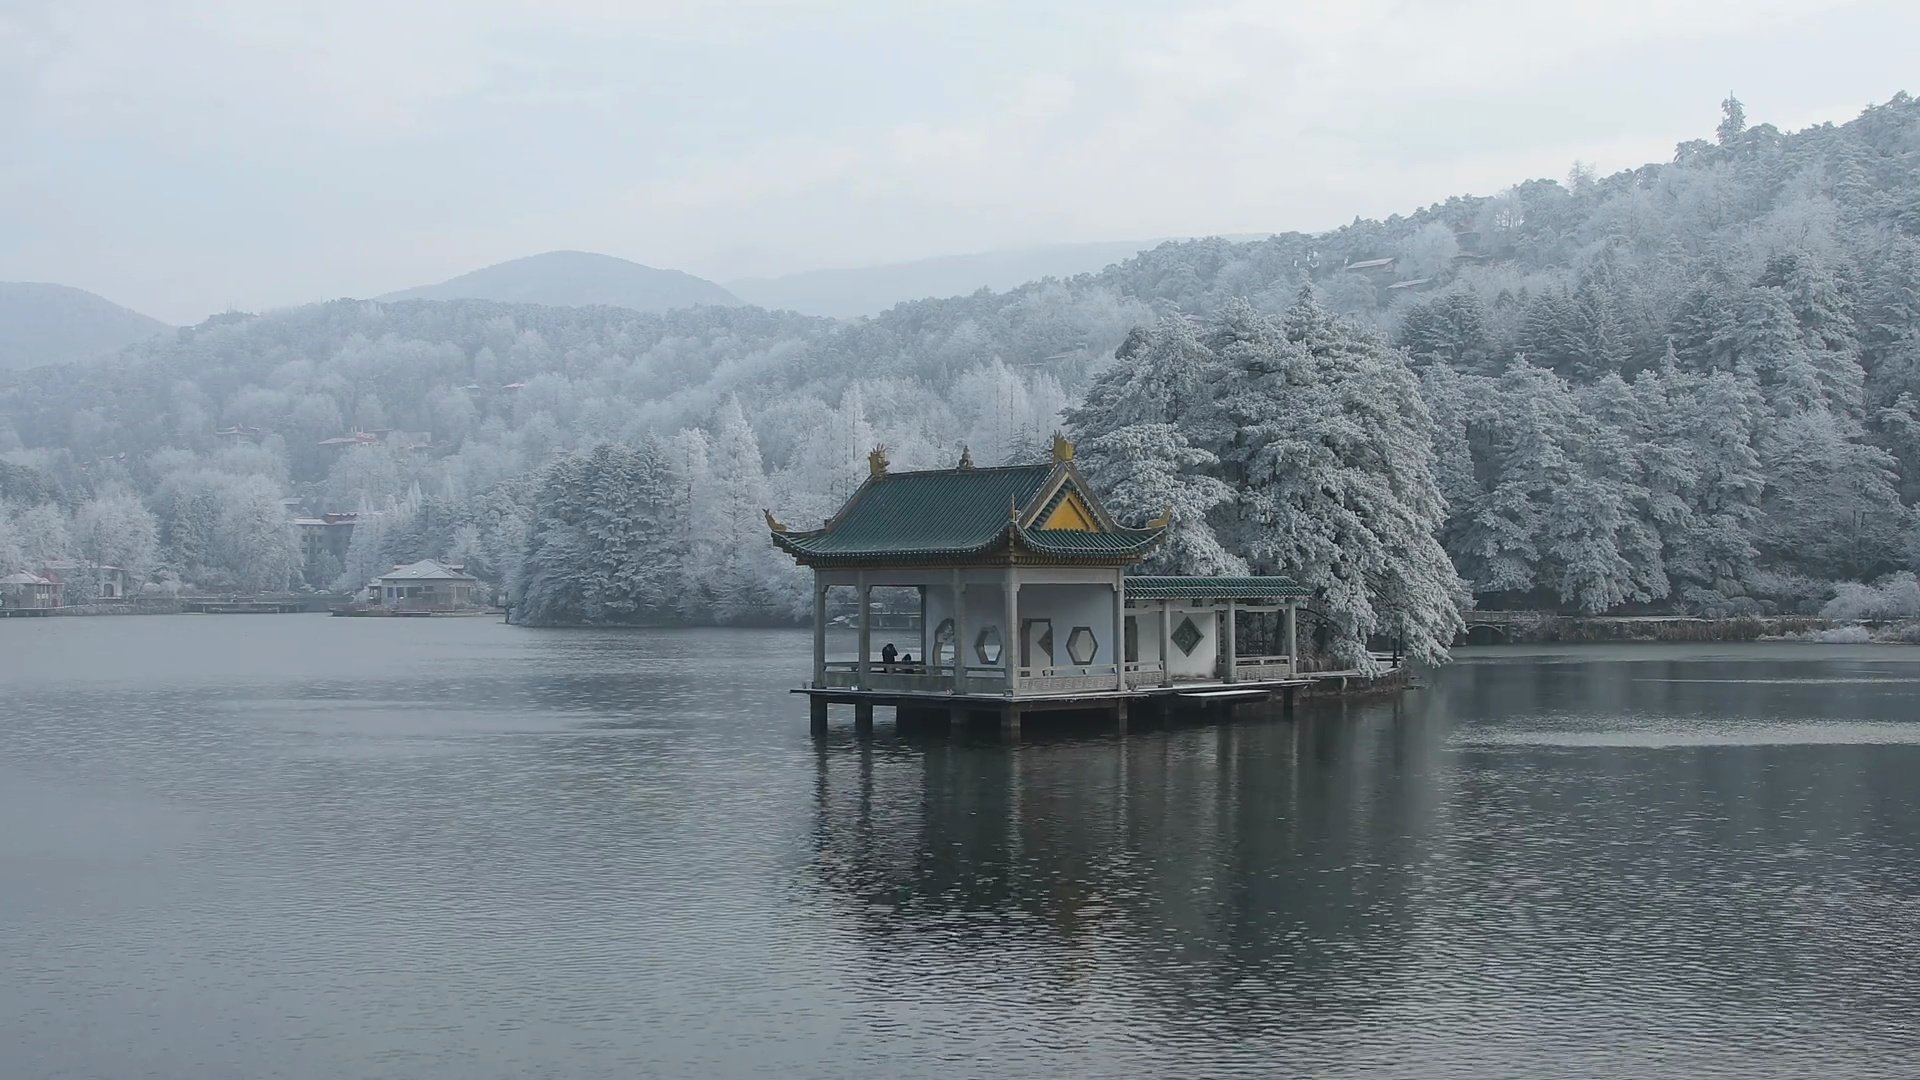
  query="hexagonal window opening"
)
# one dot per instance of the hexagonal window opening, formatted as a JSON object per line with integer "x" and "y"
{"x": 943, "y": 643}
{"x": 987, "y": 645}
{"x": 1082, "y": 646}
{"x": 1187, "y": 635}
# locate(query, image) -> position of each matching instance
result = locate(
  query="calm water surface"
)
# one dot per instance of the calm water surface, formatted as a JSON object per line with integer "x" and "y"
{"x": 291, "y": 846}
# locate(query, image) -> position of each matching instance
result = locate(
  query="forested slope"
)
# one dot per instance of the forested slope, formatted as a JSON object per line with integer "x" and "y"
{"x": 57, "y": 324}
{"x": 1687, "y": 385}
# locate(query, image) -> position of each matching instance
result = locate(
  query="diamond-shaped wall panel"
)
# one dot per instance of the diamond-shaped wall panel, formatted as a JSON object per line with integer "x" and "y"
{"x": 1082, "y": 646}
{"x": 986, "y": 645}
{"x": 1187, "y": 636}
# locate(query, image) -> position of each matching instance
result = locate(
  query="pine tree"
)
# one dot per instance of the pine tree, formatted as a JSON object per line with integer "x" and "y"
{"x": 1453, "y": 328}
{"x": 1733, "y": 120}
{"x": 555, "y": 585}
{"x": 1701, "y": 328}
{"x": 1600, "y": 341}
{"x": 1831, "y": 504}
{"x": 1135, "y": 443}
{"x": 689, "y": 510}
{"x": 750, "y": 582}
{"x": 1552, "y": 335}
{"x": 1332, "y": 459}
{"x": 1499, "y": 537}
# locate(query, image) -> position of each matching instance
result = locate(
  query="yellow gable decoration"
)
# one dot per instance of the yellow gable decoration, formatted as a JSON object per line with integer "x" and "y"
{"x": 1072, "y": 514}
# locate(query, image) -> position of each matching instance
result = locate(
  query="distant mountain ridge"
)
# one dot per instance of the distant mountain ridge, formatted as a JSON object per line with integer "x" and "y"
{"x": 42, "y": 323}
{"x": 846, "y": 292}
{"x": 576, "y": 279}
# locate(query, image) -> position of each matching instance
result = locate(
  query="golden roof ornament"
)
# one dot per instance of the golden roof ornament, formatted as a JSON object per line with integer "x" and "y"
{"x": 773, "y": 523}
{"x": 966, "y": 456}
{"x": 1062, "y": 449}
{"x": 877, "y": 462}
{"x": 1165, "y": 519}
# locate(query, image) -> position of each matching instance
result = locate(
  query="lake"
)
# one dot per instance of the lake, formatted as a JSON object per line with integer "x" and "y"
{"x": 294, "y": 846}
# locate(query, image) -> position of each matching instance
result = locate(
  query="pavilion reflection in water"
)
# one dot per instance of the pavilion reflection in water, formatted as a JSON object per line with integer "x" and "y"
{"x": 1226, "y": 850}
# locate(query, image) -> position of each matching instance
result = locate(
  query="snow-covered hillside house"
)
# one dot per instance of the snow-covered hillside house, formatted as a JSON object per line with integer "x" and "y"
{"x": 111, "y": 582}
{"x": 1025, "y": 598}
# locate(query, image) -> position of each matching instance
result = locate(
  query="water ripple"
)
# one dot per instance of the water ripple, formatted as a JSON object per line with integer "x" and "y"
{"x": 320, "y": 848}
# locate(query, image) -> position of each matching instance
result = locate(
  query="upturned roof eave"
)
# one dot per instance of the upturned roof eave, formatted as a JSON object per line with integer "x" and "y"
{"x": 1011, "y": 542}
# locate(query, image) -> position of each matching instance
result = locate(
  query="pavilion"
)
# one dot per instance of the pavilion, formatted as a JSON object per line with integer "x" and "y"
{"x": 1025, "y": 600}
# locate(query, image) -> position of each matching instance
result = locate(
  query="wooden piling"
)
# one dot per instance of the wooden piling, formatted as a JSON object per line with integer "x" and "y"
{"x": 819, "y": 713}
{"x": 863, "y": 717}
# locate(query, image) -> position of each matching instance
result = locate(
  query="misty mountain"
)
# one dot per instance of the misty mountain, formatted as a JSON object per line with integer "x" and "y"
{"x": 869, "y": 290}
{"x": 58, "y": 324}
{"x": 576, "y": 279}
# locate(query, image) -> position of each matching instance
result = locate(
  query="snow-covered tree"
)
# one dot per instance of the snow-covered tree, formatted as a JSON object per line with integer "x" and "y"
{"x": 1332, "y": 452}
{"x": 1316, "y": 431}
{"x": 1135, "y": 436}
{"x": 116, "y": 529}
{"x": 13, "y": 557}
{"x": 748, "y": 579}
{"x": 42, "y": 533}
{"x": 255, "y": 539}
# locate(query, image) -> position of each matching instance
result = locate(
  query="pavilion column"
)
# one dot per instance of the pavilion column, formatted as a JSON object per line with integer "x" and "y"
{"x": 959, "y": 634}
{"x": 866, "y": 629}
{"x": 1230, "y": 648}
{"x": 1166, "y": 643}
{"x": 924, "y": 658}
{"x": 1009, "y": 638}
{"x": 1293, "y": 645}
{"x": 1120, "y": 629}
{"x": 819, "y": 631}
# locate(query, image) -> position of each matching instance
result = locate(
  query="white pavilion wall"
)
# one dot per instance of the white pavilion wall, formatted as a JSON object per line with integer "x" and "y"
{"x": 1203, "y": 662}
{"x": 986, "y": 606}
{"x": 1068, "y": 606}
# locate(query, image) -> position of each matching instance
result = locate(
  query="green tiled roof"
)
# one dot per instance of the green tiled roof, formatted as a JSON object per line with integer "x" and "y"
{"x": 951, "y": 513}
{"x": 1215, "y": 588}
{"x": 1075, "y": 542}
{"x": 938, "y": 512}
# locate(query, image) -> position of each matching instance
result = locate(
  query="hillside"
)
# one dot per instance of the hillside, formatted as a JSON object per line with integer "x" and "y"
{"x": 56, "y": 324}
{"x": 869, "y": 290}
{"x": 576, "y": 279}
{"x": 1694, "y": 385}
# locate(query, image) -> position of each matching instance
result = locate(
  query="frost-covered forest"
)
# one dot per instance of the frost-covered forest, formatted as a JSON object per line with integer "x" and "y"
{"x": 1690, "y": 386}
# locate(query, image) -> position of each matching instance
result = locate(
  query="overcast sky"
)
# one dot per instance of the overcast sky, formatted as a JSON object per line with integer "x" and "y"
{"x": 186, "y": 156}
